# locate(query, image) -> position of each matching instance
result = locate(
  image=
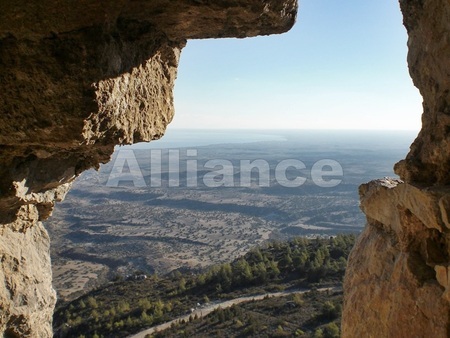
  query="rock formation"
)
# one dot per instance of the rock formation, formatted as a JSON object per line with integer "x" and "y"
{"x": 77, "y": 78}
{"x": 398, "y": 278}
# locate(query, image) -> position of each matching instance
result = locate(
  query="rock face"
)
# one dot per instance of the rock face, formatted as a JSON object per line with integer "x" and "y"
{"x": 77, "y": 78}
{"x": 398, "y": 278}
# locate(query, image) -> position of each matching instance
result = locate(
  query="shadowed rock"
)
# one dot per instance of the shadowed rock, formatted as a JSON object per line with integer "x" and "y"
{"x": 76, "y": 79}
{"x": 397, "y": 282}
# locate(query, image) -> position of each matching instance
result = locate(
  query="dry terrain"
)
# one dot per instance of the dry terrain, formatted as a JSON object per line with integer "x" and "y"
{"x": 101, "y": 232}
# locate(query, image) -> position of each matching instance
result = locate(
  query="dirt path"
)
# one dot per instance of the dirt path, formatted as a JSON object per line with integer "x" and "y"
{"x": 201, "y": 312}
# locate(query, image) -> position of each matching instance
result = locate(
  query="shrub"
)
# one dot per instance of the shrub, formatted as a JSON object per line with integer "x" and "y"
{"x": 331, "y": 330}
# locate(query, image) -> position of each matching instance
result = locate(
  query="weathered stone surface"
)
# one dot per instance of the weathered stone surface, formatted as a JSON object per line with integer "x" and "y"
{"x": 397, "y": 281}
{"x": 77, "y": 78}
{"x": 80, "y": 87}
{"x": 428, "y": 26}
{"x": 392, "y": 287}
{"x": 26, "y": 296}
{"x": 186, "y": 19}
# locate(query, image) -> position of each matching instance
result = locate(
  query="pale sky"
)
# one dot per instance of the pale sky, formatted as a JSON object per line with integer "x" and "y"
{"x": 342, "y": 66}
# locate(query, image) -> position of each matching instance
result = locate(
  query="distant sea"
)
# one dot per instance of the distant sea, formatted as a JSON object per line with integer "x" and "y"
{"x": 357, "y": 139}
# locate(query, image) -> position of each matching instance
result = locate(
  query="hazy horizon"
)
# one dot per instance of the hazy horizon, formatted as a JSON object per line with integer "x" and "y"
{"x": 352, "y": 139}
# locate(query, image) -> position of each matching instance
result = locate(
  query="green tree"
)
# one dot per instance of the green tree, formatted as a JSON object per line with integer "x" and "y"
{"x": 201, "y": 279}
{"x": 129, "y": 322}
{"x": 225, "y": 275}
{"x": 257, "y": 255}
{"x": 318, "y": 333}
{"x": 286, "y": 262}
{"x": 168, "y": 307}
{"x": 92, "y": 302}
{"x": 242, "y": 272}
{"x": 260, "y": 272}
{"x": 219, "y": 288}
{"x": 146, "y": 319}
{"x": 158, "y": 310}
{"x": 329, "y": 310}
{"x": 299, "y": 333}
{"x": 331, "y": 330}
{"x": 182, "y": 284}
{"x": 95, "y": 315}
{"x": 144, "y": 304}
{"x": 123, "y": 307}
{"x": 118, "y": 325}
{"x": 272, "y": 269}
{"x": 299, "y": 260}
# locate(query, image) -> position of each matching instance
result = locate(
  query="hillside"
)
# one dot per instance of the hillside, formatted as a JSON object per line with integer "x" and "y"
{"x": 100, "y": 230}
{"x": 126, "y": 307}
{"x": 313, "y": 314}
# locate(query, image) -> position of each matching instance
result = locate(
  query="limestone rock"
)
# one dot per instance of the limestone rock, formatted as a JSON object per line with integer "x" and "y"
{"x": 26, "y": 296}
{"x": 428, "y": 26}
{"x": 397, "y": 272}
{"x": 397, "y": 280}
{"x": 78, "y": 77}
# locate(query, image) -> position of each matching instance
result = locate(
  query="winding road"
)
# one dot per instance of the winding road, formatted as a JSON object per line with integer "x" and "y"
{"x": 201, "y": 312}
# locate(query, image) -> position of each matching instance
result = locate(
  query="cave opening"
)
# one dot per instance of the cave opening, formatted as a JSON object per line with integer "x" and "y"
{"x": 252, "y": 186}
{"x": 222, "y": 118}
